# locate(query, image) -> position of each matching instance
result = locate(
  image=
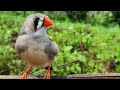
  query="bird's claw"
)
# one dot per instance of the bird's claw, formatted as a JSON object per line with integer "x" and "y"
{"x": 47, "y": 76}
{"x": 24, "y": 76}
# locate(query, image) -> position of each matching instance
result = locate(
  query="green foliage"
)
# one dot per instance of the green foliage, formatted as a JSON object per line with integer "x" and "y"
{"x": 77, "y": 15}
{"x": 116, "y": 17}
{"x": 92, "y": 43}
{"x": 99, "y": 18}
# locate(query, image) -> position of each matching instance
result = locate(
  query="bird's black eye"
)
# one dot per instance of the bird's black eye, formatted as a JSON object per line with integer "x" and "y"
{"x": 36, "y": 23}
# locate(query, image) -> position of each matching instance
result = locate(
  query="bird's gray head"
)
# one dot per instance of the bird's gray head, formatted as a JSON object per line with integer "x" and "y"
{"x": 34, "y": 22}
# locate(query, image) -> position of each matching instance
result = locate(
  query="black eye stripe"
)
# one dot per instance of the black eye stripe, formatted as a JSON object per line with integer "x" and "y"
{"x": 36, "y": 23}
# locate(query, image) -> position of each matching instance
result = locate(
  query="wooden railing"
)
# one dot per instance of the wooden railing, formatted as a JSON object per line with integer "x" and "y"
{"x": 73, "y": 76}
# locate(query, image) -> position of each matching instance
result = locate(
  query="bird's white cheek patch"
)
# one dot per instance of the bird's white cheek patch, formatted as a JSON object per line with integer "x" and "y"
{"x": 39, "y": 24}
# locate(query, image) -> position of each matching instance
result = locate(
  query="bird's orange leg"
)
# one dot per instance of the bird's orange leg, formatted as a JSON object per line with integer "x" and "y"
{"x": 47, "y": 76}
{"x": 25, "y": 74}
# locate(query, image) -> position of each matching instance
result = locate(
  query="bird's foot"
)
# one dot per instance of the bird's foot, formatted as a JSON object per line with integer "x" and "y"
{"x": 47, "y": 76}
{"x": 25, "y": 74}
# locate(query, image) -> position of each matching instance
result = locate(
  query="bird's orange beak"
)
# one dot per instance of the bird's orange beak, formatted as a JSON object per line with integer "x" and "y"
{"x": 47, "y": 21}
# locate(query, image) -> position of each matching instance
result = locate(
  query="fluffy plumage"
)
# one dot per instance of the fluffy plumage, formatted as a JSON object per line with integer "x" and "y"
{"x": 33, "y": 43}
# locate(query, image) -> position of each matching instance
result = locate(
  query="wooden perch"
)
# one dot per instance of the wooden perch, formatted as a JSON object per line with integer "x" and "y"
{"x": 73, "y": 76}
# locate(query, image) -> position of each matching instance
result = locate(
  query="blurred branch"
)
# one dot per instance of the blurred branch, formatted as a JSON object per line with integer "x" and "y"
{"x": 77, "y": 61}
{"x": 4, "y": 70}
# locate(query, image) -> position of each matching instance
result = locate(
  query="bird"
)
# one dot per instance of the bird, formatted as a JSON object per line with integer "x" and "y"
{"x": 34, "y": 45}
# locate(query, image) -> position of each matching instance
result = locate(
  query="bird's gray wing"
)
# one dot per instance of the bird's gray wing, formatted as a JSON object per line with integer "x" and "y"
{"x": 51, "y": 49}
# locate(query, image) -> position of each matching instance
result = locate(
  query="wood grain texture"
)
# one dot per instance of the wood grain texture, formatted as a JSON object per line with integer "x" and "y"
{"x": 73, "y": 76}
